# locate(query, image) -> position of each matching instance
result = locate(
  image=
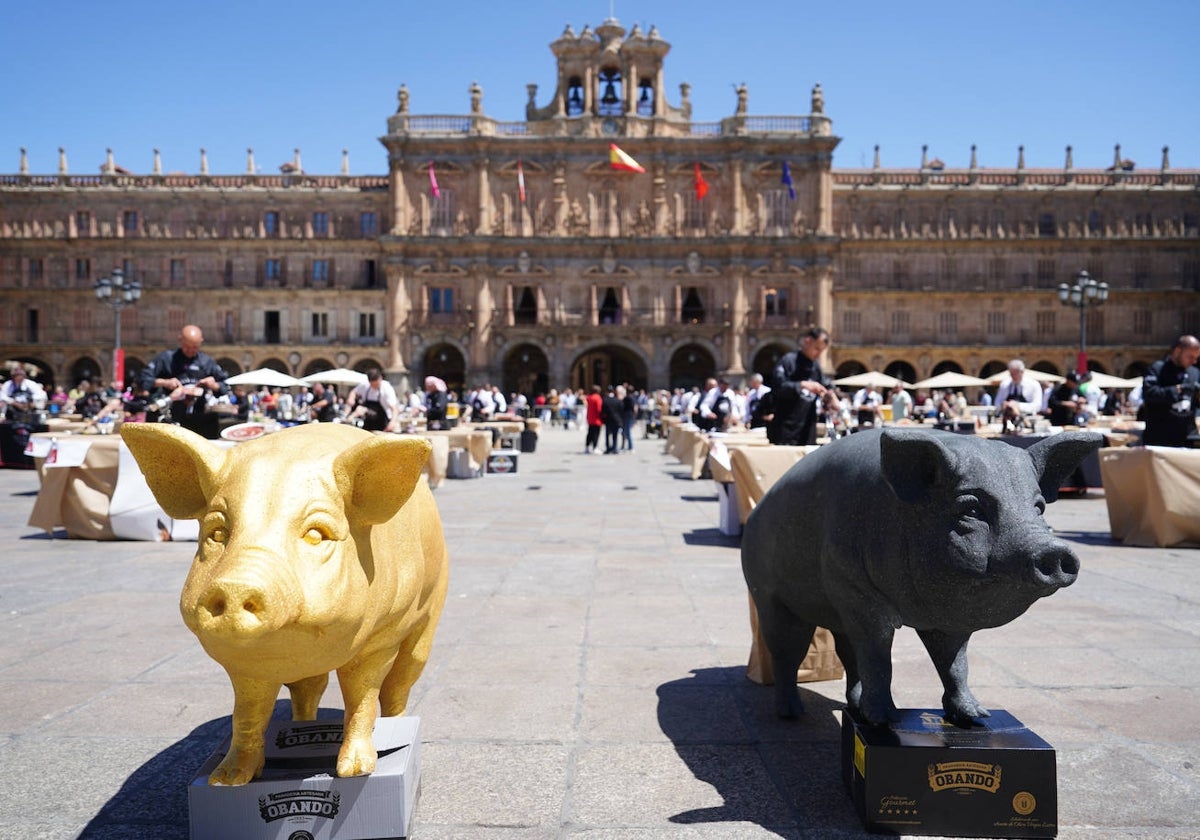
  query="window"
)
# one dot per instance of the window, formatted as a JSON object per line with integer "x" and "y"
{"x": 947, "y": 328}
{"x": 1045, "y": 274}
{"x": 610, "y": 307}
{"x": 1046, "y": 227}
{"x": 37, "y": 269}
{"x": 82, "y": 322}
{"x": 178, "y": 272}
{"x": 1141, "y": 322}
{"x": 366, "y": 325}
{"x": 320, "y": 325}
{"x": 611, "y": 98}
{"x": 83, "y": 223}
{"x": 320, "y": 223}
{"x": 852, "y": 323}
{"x": 31, "y": 326}
{"x": 271, "y": 223}
{"x": 900, "y": 324}
{"x": 776, "y": 203}
{"x": 693, "y": 212}
{"x": 1095, "y": 223}
{"x": 1191, "y": 275}
{"x": 775, "y": 303}
{"x": 645, "y": 103}
{"x": 83, "y": 269}
{"x": 996, "y": 322}
{"x": 1047, "y": 325}
{"x": 574, "y": 97}
{"x": 691, "y": 309}
{"x": 370, "y": 278}
{"x": 524, "y": 303}
{"x": 949, "y": 271}
{"x": 900, "y": 274}
{"x": 442, "y": 213}
{"x": 367, "y": 224}
{"x": 129, "y": 221}
{"x": 320, "y": 272}
{"x": 1141, "y": 272}
{"x": 227, "y": 325}
{"x": 227, "y": 277}
{"x": 997, "y": 271}
{"x": 441, "y": 299}
{"x": 176, "y": 319}
{"x": 273, "y": 269}
{"x": 271, "y": 326}
{"x": 852, "y": 268}
{"x": 127, "y": 267}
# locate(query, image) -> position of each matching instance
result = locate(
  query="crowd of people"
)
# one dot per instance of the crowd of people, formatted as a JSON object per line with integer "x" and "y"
{"x": 186, "y": 386}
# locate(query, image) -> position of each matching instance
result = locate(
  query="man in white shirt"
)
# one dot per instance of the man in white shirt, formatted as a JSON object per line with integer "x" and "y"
{"x": 375, "y": 401}
{"x": 706, "y": 417}
{"x": 21, "y": 391}
{"x": 1019, "y": 397}
{"x": 757, "y": 408}
{"x": 866, "y": 404}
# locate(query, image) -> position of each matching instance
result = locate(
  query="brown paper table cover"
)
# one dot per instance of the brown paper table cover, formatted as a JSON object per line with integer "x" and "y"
{"x": 756, "y": 468}
{"x": 77, "y": 498}
{"x": 477, "y": 442}
{"x": 1153, "y": 494}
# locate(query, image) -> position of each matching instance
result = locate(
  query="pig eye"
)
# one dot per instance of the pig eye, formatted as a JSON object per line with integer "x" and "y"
{"x": 970, "y": 508}
{"x": 315, "y": 536}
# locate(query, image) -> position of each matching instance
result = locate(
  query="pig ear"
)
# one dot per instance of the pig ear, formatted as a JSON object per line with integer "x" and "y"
{"x": 1058, "y": 456}
{"x": 377, "y": 476}
{"x": 914, "y": 463}
{"x": 180, "y": 466}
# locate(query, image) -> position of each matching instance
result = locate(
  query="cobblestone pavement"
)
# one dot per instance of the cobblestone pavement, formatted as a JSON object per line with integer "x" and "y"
{"x": 588, "y": 675}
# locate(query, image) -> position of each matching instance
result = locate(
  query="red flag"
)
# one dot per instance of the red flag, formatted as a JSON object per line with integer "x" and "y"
{"x": 520, "y": 182}
{"x": 617, "y": 159}
{"x": 433, "y": 187}
{"x": 701, "y": 184}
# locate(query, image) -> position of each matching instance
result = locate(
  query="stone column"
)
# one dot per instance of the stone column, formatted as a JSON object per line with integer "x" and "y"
{"x": 481, "y": 335}
{"x": 735, "y": 332}
{"x": 738, "y": 211}
{"x": 399, "y": 199}
{"x": 483, "y": 227}
{"x": 824, "y": 311}
{"x": 395, "y": 316}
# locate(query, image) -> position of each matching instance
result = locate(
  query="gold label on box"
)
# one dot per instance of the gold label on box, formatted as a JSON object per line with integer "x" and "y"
{"x": 860, "y": 756}
{"x": 964, "y": 776}
{"x": 1024, "y": 803}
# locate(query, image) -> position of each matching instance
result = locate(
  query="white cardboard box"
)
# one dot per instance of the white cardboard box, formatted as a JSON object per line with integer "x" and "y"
{"x": 298, "y": 797}
{"x": 729, "y": 523}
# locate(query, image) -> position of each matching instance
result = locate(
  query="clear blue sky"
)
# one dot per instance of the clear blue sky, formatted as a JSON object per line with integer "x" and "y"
{"x": 322, "y": 76}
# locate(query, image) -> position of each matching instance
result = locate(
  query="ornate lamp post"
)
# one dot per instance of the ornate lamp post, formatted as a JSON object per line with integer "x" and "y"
{"x": 118, "y": 292}
{"x": 1086, "y": 293}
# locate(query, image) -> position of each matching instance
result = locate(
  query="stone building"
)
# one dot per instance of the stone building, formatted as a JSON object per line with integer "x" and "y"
{"x": 512, "y": 252}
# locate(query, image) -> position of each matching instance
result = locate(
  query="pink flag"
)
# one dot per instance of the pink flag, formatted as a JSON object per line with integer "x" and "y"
{"x": 433, "y": 187}
{"x": 520, "y": 182}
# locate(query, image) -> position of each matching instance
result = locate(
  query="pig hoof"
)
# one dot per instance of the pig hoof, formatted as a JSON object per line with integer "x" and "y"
{"x": 787, "y": 702}
{"x": 879, "y": 713}
{"x": 964, "y": 711}
{"x": 235, "y": 770}
{"x": 356, "y": 759}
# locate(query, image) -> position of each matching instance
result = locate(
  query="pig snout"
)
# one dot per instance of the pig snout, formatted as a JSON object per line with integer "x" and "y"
{"x": 1055, "y": 566}
{"x": 243, "y": 606}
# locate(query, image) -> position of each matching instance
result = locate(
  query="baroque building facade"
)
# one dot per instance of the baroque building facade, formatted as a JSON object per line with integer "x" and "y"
{"x": 512, "y": 252}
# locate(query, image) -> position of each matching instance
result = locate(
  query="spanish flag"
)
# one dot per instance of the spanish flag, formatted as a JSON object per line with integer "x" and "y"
{"x": 701, "y": 184}
{"x": 617, "y": 159}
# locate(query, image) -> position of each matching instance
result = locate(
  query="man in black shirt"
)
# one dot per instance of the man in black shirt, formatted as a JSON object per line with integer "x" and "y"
{"x": 187, "y": 376}
{"x": 1169, "y": 395}
{"x": 797, "y": 389}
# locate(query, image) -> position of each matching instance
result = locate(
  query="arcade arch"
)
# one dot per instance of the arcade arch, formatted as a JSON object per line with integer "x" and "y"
{"x": 526, "y": 371}
{"x": 608, "y": 364}
{"x": 447, "y": 363}
{"x": 690, "y": 365}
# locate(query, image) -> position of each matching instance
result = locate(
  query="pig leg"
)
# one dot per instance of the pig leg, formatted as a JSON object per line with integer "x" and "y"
{"x": 872, "y": 646}
{"x": 410, "y": 662}
{"x": 853, "y": 683}
{"x": 253, "y": 703}
{"x": 360, "y": 680}
{"x": 949, "y": 654}
{"x": 787, "y": 638}
{"x": 306, "y": 696}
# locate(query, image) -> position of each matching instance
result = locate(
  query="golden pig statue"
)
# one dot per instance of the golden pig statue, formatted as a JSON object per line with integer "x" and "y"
{"x": 320, "y": 550}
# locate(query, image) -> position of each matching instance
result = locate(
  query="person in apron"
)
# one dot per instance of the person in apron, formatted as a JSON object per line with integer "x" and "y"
{"x": 375, "y": 401}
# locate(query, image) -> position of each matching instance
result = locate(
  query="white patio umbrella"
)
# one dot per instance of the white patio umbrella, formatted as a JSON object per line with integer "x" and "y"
{"x": 1105, "y": 380}
{"x": 264, "y": 376}
{"x": 950, "y": 379}
{"x": 1035, "y": 375}
{"x": 336, "y": 376}
{"x": 871, "y": 377}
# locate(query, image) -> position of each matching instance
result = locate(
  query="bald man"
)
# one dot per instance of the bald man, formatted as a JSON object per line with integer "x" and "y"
{"x": 1169, "y": 392}
{"x": 188, "y": 376}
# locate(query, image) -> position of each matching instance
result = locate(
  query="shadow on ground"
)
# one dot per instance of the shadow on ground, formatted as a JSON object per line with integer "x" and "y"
{"x": 783, "y": 775}
{"x": 153, "y": 802}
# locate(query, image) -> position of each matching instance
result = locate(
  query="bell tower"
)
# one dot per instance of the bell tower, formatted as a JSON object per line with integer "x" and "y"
{"x": 609, "y": 83}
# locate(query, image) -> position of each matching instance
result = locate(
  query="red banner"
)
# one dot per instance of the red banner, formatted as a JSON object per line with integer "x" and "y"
{"x": 118, "y": 378}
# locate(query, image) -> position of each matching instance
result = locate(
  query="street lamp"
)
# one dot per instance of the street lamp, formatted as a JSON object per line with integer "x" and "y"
{"x": 1086, "y": 292}
{"x": 118, "y": 292}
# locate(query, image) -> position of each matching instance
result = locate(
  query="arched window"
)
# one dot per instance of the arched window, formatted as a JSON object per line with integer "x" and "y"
{"x": 610, "y": 93}
{"x": 645, "y": 104}
{"x": 574, "y": 97}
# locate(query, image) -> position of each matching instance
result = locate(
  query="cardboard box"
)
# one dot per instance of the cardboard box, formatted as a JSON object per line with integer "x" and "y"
{"x": 924, "y": 776}
{"x": 298, "y": 797}
{"x": 502, "y": 462}
{"x": 728, "y": 522}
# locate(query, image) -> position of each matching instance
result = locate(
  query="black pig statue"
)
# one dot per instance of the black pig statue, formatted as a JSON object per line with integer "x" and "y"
{"x": 889, "y": 527}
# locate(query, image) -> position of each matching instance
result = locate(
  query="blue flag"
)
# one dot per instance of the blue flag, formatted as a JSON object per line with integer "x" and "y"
{"x": 787, "y": 179}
